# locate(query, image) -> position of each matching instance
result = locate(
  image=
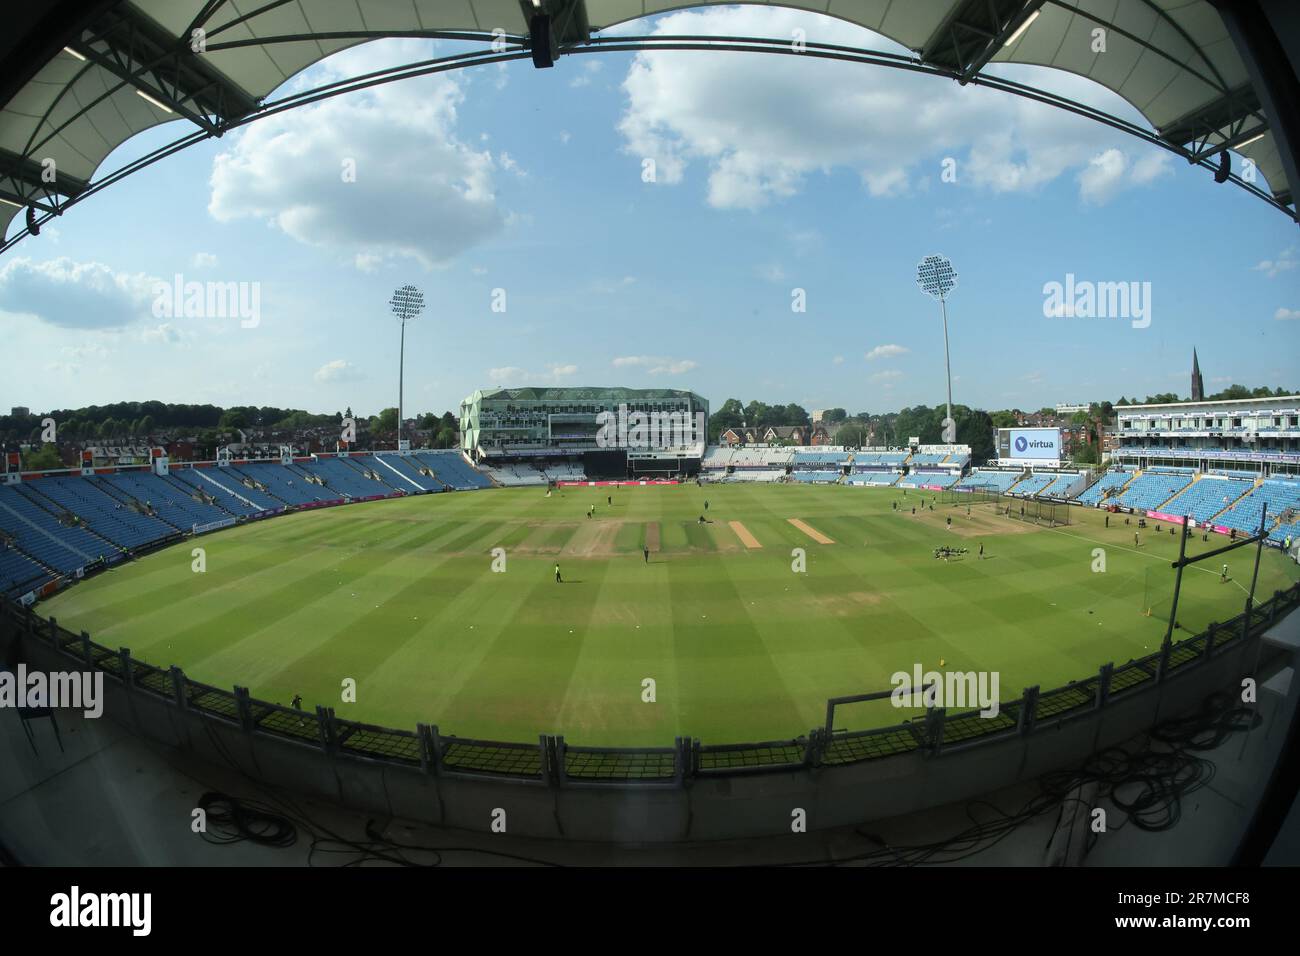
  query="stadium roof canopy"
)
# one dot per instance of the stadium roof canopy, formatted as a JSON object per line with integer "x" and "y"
{"x": 80, "y": 77}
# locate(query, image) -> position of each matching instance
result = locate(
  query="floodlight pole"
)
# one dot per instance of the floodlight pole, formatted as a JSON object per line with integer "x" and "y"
{"x": 947, "y": 363}
{"x": 401, "y": 371}
{"x": 935, "y": 276}
{"x": 406, "y": 303}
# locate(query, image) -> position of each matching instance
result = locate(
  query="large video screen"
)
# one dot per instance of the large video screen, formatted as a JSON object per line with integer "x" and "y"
{"x": 1030, "y": 444}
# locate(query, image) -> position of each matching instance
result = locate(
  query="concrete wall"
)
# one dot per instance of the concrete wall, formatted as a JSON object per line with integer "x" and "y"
{"x": 706, "y": 808}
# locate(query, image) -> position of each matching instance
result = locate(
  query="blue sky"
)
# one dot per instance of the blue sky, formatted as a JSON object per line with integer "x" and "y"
{"x": 771, "y": 174}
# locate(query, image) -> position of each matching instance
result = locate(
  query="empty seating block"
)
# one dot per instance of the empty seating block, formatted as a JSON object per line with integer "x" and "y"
{"x": 106, "y": 516}
{"x": 287, "y": 486}
{"x": 453, "y": 470}
{"x": 172, "y": 504}
{"x": 1152, "y": 489}
{"x": 1207, "y": 497}
{"x": 233, "y": 496}
{"x": 39, "y": 533}
{"x": 1112, "y": 480}
{"x": 1281, "y": 496}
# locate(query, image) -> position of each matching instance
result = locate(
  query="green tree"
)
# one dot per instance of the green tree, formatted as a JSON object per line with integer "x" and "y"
{"x": 43, "y": 458}
{"x": 851, "y": 435}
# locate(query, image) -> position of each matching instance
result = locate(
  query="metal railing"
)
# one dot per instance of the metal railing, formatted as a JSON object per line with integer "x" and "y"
{"x": 551, "y": 761}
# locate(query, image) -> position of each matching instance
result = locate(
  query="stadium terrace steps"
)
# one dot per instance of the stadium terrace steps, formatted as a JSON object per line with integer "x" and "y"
{"x": 161, "y": 498}
{"x": 1206, "y": 497}
{"x": 404, "y": 474}
{"x": 40, "y": 534}
{"x": 250, "y": 499}
{"x": 19, "y": 571}
{"x": 1031, "y": 486}
{"x": 230, "y": 507}
{"x": 1000, "y": 481}
{"x": 1280, "y": 495}
{"x": 452, "y": 470}
{"x": 287, "y": 486}
{"x": 117, "y": 524}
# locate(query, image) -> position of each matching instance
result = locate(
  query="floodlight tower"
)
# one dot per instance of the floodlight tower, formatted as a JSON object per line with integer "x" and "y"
{"x": 935, "y": 276}
{"x": 406, "y": 303}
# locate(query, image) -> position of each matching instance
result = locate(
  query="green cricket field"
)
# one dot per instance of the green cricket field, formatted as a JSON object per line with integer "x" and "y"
{"x": 445, "y": 608}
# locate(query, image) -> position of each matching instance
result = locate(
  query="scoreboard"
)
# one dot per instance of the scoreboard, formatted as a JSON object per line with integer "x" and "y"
{"x": 1029, "y": 446}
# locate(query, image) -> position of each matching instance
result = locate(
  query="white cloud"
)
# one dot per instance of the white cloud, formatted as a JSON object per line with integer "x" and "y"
{"x": 204, "y": 260}
{"x": 655, "y": 364}
{"x": 1286, "y": 314}
{"x": 419, "y": 192}
{"x": 1285, "y": 262}
{"x": 887, "y": 375}
{"x": 509, "y": 165}
{"x": 771, "y": 272}
{"x": 610, "y": 286}
{"x": 590, "y": 67}
{"x": 75, "y": 295}
{"x": 762, "y": 125}
{"x": 338, "y": 370}
{"x": 514, "y": 375}
{"x": 1111, "y": 171}
{"x": 507, "y": 374}
{"x": 164, "y": 334}
{"x": 838, "y": 360}
{"x": 886, "y": 351}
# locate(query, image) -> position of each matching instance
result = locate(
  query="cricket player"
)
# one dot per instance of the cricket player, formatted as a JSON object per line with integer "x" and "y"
{"x": 558, "y": 579}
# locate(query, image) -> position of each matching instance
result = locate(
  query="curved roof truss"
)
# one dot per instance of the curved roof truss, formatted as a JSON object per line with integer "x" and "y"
{"x": 130, "y": 65}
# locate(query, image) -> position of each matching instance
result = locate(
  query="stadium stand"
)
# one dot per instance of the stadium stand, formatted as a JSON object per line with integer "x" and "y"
{"x": 716, "y": 458}
{"x": 1031, "y": 486}
{"x": 289, "y": 487}
{"x": 453, "y": 470}
{"x": 18, "y": 573}
{"x": 928, "y": 479}
{"x": 1281, "y": 496}
{"x": 819, "y": 460}
{"x": 1151, "y": 489}
{"x": 168, "y": 502}
{"x": 43, "y": 537}
{"x": 406, "y": 475}
{"x": 516, "y": 475}
{"x": 879, "y": 458}
{"x": 238, "y": 498}
{"x": 351, "y": 476}
{"x": 808, "y": 477}
{"x": 878, "y": 478}
{"x": 1112, "y": 481}
{"x": 106, "y": 516}
{"x": 1207, "y": 496}
{"x": 999, "y": 481}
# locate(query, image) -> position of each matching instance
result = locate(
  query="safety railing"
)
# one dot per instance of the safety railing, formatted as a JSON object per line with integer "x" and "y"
{"x": 552, "y": 761}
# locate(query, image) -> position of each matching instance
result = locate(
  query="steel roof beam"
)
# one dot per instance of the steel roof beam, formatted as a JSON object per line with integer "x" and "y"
{"x": 973, "y": 33}
{"x": 181, "y": 80}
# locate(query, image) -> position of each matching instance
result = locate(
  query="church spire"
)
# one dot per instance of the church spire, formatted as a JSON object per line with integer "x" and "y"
{"x": 1198, "y": 387}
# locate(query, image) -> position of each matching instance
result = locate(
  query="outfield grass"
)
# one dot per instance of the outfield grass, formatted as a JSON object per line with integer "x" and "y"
{"x": 399, "y": 596}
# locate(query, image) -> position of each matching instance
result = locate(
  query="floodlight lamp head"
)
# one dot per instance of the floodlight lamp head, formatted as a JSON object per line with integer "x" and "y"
{"x": 406, "y": 303}
{"x": 935, "y": 276}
